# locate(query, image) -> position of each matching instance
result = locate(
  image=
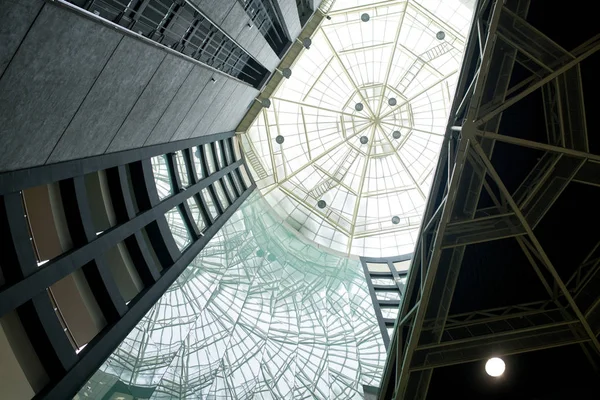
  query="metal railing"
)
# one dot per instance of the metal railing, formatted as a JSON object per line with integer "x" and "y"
{"x": 265, "y": 18}
{"x": 180, "y": 26}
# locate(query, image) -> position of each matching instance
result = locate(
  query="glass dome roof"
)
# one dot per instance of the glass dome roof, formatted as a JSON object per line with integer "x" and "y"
{"x": 363, "y": 81}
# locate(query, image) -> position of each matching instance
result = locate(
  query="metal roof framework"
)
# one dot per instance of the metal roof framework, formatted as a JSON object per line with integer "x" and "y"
{"x": 426, "y": 336}
{"x": 347, "y": 157}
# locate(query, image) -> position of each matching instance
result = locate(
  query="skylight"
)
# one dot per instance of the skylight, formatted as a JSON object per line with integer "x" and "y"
{"x": 346, "y": 152}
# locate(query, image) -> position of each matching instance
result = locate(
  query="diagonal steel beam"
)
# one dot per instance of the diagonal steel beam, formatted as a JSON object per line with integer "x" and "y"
{"x": 518, "y": 341}
{"x": 538, "y": 83}
{"x": 541, "y": 253}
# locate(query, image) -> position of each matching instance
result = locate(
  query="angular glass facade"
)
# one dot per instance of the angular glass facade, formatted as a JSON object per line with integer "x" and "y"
{"x": 259, "y": 313}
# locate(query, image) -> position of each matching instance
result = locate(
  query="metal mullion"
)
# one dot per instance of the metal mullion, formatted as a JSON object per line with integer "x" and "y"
{"x": 216, "y": 152}
{"x": 186, "y": 215}
{"x": 240, "y": 180}
{"x": 17, "y": 254}
{"x": 190, "y": 168}
{"x": 227, "y": 194}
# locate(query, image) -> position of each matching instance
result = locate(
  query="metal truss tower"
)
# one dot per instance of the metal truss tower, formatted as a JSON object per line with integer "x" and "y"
{"x": 426, "y": 335}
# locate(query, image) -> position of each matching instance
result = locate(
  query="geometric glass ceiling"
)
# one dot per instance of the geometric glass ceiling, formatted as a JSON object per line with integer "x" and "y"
{"x": 362, "y": 120}
{"x": 257, "y": 314}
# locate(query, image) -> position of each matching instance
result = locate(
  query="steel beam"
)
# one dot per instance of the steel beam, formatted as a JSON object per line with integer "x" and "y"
{"x": 436, "y": 340}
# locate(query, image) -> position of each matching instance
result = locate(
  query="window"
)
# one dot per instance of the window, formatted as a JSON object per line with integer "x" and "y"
{"x": 182, "y": 169}
{"x": 178, "y": 228}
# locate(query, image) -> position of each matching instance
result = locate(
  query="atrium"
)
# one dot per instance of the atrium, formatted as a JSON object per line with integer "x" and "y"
{"x": 299, "y": 199}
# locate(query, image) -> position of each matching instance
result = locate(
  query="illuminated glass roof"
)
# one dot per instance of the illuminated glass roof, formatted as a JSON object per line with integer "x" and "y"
{"x": 362, "y": 119}
{"x": 258, "y": 314}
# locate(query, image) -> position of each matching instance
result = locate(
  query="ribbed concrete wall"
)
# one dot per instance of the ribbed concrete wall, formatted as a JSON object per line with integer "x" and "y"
{"x": 291, "y": 20}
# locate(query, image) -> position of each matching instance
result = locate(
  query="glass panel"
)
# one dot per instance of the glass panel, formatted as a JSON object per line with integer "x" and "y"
{"x": 236, "y": 148}
{"x": 237, "y": 182}
{"x": 221, "y": 194}
{"x": 219, "y": 154}
{"x": 178, "y": 228}
{"x": 198, "y": 163}
{"x": 210, "y": 204}
{"x": 227, "y": 181}
{"x": 245, "y": 176}
{"x": 161, "y": 176}
{"x": 382, "y": 281}
{"x": 390, "y": 313}
{"x": 196, "y": 214}
{"x": 390, "y": 332}
{"x": 228, "y": 152}
{"x": 402, "y": 265}
{"x": 182, "y": 169}
{"x": 378, "y": 267}
{"x": 387, "y": 295}
{"x": 254, "y": 307}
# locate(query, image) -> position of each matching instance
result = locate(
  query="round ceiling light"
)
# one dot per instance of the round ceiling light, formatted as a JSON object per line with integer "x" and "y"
{"x": 395, "y": 220}
{"x": 396, "y": 134}
{"x": 306, "y": 42}
{"x": 365, "y": 17}
{"x": 271, "y": 257}
{"x": 495, "y": 367}
{"x": 392, "y": 101}
{"x": 321, "y": 204}
{"x": 364, "y": 139}
{"x": 287, "y": 73}
{"x": 279, "y": 139}
{"x": 260, "y": 253}
{"x": 358, "y": 107}
{"x": 266, "y": 103}
{"x": 440, "y": 35}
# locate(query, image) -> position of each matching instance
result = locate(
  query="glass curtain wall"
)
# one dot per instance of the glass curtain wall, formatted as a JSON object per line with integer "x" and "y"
{"x": 259, "y": 313}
